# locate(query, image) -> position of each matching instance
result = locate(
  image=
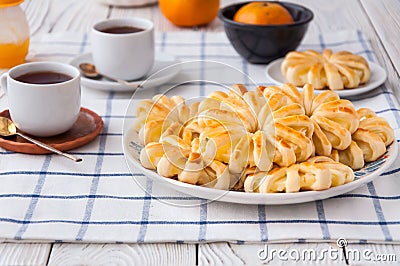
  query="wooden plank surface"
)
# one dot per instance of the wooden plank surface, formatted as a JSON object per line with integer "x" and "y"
{"x": 24, "y": 254}
{"x": 75, "y": 15}
{"x": 208, "y": 254}
{"x": 297, "y": 253}
{"x": 344, "y": 14}
{"x": 385, "y": 17}
{"x": 123, "y": 254}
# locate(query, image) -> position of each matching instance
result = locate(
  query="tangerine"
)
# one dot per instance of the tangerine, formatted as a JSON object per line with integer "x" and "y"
{"x": 263, "y": 13}
{"x": 189, "y": 13}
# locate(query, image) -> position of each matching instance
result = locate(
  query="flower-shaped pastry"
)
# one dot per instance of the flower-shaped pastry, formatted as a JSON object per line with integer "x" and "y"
{"x": 175, "y": 157}
{"x": 318, "y": 173}
{"x": 273, "y": 139}
{"x": 336, "y": 71}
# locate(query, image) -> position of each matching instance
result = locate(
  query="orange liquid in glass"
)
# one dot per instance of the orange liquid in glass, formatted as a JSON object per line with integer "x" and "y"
{"x": 12, "y": 54}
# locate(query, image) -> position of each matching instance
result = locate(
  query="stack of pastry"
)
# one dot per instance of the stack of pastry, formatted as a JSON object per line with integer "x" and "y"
{"x": 273, "y": 139}
{"x": 336, "y": 71}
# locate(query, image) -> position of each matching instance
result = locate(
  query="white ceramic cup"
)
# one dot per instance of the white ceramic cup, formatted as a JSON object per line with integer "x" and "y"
{"x": 43, "y": 110}
{"x": 126, "y": 56}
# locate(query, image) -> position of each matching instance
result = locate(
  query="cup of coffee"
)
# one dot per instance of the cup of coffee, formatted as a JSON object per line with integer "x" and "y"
{"x": 44, "y": 98}
{"x": 123, "y": 48}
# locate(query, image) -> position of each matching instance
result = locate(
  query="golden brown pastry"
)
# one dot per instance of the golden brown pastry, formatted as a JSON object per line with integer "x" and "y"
{"x": 337, "y": 124}
{"x": 318, "y": 173}
{"x": 369, "y": 141}
{"x": 340, "y": 175}
{"x": 378, "y": 125}
{"x": 173, "y": 157}
{"x": 336, "y": 71}
{"x": 234, "y": 102}
{"x": 333, "y": 119}
{"x": 273, "y": 139}
{"x": 352, "y": 156}
{"x": 160, "y": 114}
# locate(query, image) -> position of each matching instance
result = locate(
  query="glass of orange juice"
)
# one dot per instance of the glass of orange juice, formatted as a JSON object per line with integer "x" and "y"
{"x": 14, "y": 34}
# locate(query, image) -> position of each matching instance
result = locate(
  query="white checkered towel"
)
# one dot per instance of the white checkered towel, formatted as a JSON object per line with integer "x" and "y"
{"x": 49, "y": 198}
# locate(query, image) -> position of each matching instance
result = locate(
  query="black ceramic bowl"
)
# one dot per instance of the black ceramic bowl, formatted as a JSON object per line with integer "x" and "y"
{"x": 261, "y": 44}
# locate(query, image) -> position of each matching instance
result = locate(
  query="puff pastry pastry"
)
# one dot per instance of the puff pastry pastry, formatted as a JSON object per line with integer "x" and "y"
{"x": 336, "y": 71}
{"x": 340, "y": 131}
{"x": 173, "y": 157}
{"x": 318, "y": 173}
{"x": 273, "y": 139}
{"x": 157, "y": 115}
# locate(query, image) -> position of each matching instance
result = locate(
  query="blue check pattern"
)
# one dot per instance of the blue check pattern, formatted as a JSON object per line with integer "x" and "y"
{"x": 46, "y": 197}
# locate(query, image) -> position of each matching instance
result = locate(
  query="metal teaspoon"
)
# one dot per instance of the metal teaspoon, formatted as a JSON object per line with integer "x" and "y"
{"x": 89, "y": 70}
{"x": 8, "y": 128}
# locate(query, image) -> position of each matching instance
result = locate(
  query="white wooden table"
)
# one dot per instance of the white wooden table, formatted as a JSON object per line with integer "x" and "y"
{"x": 379, "y": 20}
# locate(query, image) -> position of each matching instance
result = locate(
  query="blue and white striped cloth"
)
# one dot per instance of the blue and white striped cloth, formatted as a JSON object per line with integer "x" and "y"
{"x": 49, "y": 198}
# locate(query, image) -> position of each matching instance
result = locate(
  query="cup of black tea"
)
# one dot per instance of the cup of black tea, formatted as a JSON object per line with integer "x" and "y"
{"x": 44, "y": 97}
{"x": 123, "y": 48}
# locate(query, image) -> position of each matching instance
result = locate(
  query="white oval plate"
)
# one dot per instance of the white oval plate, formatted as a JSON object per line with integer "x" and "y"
{"x": 378, "y": 77}
{"x": 162, "y": 60}
{"x": 368, "y": 173}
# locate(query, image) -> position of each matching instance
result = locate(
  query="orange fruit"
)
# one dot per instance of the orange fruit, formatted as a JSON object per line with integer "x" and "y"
{"x": 189, "y": 13}
{"x": 263, "y": 13}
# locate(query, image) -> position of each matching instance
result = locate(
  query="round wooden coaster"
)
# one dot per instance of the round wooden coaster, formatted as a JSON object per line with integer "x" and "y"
{"x": 87, "y": 127}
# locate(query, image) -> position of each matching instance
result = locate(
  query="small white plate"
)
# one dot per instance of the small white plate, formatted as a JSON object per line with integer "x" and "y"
{"x": 371, "y": 171}
{"x": 162, "y": 60}
{"x": 378, "y": 77}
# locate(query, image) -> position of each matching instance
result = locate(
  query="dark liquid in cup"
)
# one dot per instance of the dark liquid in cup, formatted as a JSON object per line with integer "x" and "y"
{"x": 122, "y": 30}
{"x": 45, "y": 77}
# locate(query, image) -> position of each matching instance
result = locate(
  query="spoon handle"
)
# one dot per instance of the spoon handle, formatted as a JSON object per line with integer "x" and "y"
{"x": 47, "y": 147}
{"x": 121, "y": 81}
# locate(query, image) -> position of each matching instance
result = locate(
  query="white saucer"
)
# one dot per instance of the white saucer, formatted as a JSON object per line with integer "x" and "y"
{"x": 378, "y": 77}
{"x": 369, "y": 172}
{"x": 153, "y": 79}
